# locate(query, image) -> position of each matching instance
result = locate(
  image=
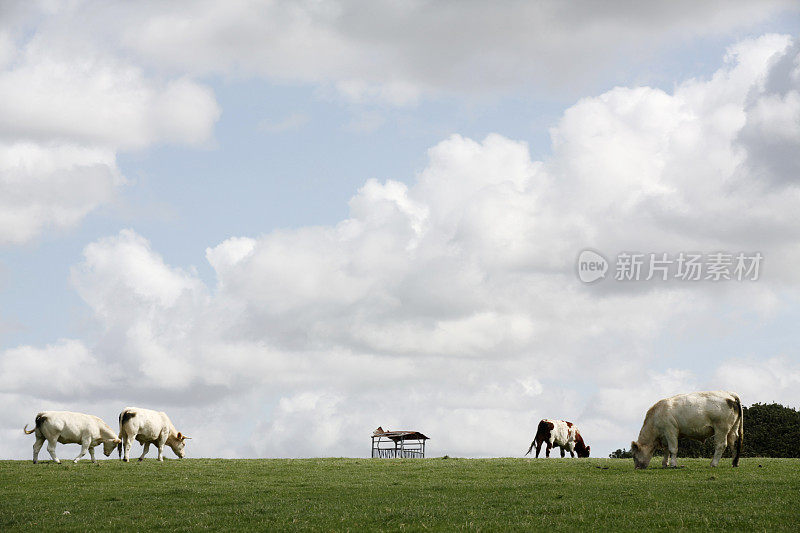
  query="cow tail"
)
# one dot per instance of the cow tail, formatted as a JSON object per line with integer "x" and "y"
{"x": 542, "y": 432}
{"x": 124, "y": 416}
{"x": 40, "y": 418}
{"x": 529, "y": 449}
{"x": 121, "y": 438}
{"x": 740, "y": 438}
{"x": 119, "y": 445}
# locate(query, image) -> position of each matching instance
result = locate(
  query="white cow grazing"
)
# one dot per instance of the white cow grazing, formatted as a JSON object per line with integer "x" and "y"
{"x": 71, "y": 428}
{"x": 698, "y": 416}
{"x": 147, "y": 426}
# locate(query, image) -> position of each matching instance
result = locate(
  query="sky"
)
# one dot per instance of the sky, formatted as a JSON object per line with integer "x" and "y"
{"x": 288, "y": 223}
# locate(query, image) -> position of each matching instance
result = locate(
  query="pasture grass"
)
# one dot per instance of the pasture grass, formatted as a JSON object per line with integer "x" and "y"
{"x": 403, "y": 494}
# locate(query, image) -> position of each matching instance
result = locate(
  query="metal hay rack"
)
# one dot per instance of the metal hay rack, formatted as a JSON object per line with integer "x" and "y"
{"x": 398, "y": 444}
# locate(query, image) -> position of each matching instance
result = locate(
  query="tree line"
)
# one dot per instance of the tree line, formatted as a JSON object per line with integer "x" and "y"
{"x": 770, "y": 430}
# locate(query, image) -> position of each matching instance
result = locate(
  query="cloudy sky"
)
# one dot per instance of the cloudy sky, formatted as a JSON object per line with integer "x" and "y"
{"x": 288, "y": 223}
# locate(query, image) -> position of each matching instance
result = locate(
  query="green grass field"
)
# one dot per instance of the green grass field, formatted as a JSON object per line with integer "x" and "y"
{"x": 375, "y": 494}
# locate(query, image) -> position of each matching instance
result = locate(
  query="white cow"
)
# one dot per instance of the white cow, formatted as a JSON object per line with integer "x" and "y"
{"x": 71, "y": 428}
{"x": 697, "y": 416}
{"x": 148, "y": 427}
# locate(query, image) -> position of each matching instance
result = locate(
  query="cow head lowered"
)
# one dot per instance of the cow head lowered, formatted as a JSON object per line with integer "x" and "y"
{"x": 177, "y": 444}
{"x": 580, "y": 446}
{"x": 641, "y": 454}
{"x": 110, "y": 444}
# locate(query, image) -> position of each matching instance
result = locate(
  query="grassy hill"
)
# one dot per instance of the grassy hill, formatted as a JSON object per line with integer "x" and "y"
{"x": 361, "y": 494}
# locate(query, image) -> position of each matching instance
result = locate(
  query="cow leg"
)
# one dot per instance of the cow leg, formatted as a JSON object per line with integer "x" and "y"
{"x": 126, "y": 445}
{"x": 673, "y": 462}
{"x": 36, "y": 447}
{"x": 547, "y": 450}
{"x": 538, "y": 449}
{"x": 144, "y": 452}
{"x": 51, "y": 448}
{"x": 665, "y": 461}
{"x": 672, "y": 450}
{"x": 572, "y": 454}
{"x": 160, "y": 451}
{"x": 91, "y": 454}
{"x": 720, "y": 441}
{"x": 562, "y": 452}
{"x": 84, "y": 448}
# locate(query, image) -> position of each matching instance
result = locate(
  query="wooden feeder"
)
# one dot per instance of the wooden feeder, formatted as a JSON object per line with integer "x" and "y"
{"x": 398, "y": 444}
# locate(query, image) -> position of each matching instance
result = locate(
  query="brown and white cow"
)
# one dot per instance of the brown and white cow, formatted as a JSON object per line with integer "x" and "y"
{"x": 697, "y": 415}
{"x": 559, "y": 433}
{"x": 148, "y": 427}
{"x": 71, "y": 428}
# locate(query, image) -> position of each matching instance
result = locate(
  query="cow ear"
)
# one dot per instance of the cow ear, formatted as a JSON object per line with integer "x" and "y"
{"x": 117, "y": 440}
{"x": 634, "y": 446}
{"x": 180, "y": 436}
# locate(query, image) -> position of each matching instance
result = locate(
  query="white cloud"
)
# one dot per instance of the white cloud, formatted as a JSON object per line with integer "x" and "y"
{"x": 127, "y": 265}
{"x": 770, "y": 132}
{"x": 66, "y": 111}
{"x": 106, "y": 77}
{"x": 396, "y": 52}
{"x": 776, "y": 379}
{"x": 146, "y": 306}
{"x": 65, "y": 370}
{"x": 95, "y": 99}
{"x": 51, "y": 185}
{"x": 629, "y": 402}
{"x": 675, "y": 164}
{"x": 451, "y": 306}
{"x": 225, "y": 255}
